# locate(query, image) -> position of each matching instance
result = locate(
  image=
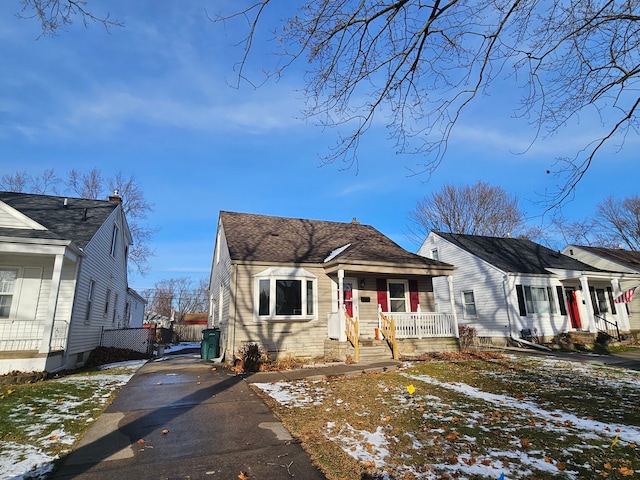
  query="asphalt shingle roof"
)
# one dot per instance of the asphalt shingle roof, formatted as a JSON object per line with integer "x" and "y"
{"x": 78, "y": 221}
{"x": 515, "y": 255}
{"x": 252, "y": 237}
{"x": 627, "y": 258}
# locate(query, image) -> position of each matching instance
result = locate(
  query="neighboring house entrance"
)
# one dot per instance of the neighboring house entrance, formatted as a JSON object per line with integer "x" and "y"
{"x": 574, "y": 313}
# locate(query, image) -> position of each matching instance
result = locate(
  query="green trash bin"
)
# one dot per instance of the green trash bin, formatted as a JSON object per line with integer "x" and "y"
{"x": 210, "y": 345}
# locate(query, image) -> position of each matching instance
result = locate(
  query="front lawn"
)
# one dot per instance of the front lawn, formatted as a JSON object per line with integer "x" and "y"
{"x": 511, "y": 417}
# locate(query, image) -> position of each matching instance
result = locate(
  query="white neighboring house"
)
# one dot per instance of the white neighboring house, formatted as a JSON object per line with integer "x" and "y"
{"x": 615, "y": 259}
{"x": 63, "y": 278}
{"x": 513, "y": 288}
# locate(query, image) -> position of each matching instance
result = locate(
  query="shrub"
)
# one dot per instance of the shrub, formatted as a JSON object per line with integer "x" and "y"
{"x": 467, "y": 335}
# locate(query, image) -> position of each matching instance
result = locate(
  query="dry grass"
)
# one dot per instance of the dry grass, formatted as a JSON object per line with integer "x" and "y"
{"x": 470, "y": 418}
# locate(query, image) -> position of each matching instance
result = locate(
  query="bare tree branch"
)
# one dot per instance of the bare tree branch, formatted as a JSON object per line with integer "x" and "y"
{"x": 54, "y": 15}
{"x": 417, "y": 66}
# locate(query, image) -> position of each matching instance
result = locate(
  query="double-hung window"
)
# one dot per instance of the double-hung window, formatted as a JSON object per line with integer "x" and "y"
{"x": 398, "y": 300}
{"x": 539, "y": 300}
{"x": 114, "y": 241}
{"x": 469, "y": 304}
{"x": 8, "y": 277}
{"x": 285, "y": 294}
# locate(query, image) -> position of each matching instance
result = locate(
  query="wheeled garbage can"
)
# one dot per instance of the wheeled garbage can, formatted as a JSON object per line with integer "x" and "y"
{"x": 210, "y": 344}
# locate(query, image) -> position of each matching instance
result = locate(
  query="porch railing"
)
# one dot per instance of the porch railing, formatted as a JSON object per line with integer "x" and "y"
{"x": 18, "y": 335}
{"x": 423, "y": 324}
{"x": 352, "y": 334}
{"x": 610, "y": 328}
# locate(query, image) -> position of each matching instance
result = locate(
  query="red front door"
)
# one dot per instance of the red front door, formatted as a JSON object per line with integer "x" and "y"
{"x": 348, "y": 298}
{"x": 574, "y": 312}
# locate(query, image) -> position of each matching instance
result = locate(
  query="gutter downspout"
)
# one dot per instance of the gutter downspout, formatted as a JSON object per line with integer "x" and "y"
{"x": 505, "y": 279}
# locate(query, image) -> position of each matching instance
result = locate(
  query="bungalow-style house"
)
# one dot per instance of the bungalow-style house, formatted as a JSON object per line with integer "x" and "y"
{"x": 312, "y": 288}
{"x": 617, "y": 259}
{"x": 515, "y": 289}
{"x": 63, "y": 278}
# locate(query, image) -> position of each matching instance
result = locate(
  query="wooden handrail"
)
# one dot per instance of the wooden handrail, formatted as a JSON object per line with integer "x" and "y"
{"x": 389, "y": 332}
{"x": 353, "y": 334}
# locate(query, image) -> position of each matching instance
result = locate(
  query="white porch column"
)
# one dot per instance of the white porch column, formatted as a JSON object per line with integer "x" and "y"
{"x": 50, "y": 319}
{"x": 343, "y": 323}
{"x": 453, "y": 306}
{"x": 586, "y": 298}
{"x": 621, "y": 310}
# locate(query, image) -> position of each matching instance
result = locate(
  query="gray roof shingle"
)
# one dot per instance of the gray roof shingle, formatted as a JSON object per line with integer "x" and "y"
{"x": 515, "y": 255}
{"x": 78, "y": 221}
{"x": 252, "y": 237}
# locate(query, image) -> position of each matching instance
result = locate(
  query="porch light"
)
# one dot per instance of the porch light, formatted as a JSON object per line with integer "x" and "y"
{"x": 362, "y": 282}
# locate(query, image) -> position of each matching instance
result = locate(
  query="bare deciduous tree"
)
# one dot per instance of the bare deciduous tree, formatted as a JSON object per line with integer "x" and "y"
{"x": 176, "y": 297}
{"x": 479, "y": 209}
{"x": 56, "y": 14}
{"x": 418, "y": 65}
{"x": 619, "y": 221}
{"x": 93, "y": 185}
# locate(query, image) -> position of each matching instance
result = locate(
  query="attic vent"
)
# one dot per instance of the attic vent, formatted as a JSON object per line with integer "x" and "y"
{"x": 66, "y": 202}
{"x": 275, "y": 234}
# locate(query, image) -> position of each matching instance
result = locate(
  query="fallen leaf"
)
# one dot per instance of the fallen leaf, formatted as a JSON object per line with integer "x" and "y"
{"x": 626, "y": 471}
{"x": 607, "y": 466}
{"x": 141, "y": 441}
{"x": 165, "y": 431}
{"x": 525, "y": 443}
{"x": 242, "y": 476}
{"x": 53, "y": 437}
{"x": 561, "y": 466}
{"x": 411, "y": 389}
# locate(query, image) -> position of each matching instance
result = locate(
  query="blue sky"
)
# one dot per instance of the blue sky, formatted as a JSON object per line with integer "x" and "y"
{"x": 152, "y": 100}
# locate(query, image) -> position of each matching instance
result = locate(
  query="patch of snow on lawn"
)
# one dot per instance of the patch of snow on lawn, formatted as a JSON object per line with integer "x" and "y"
{"x": 21, "y": 462}
{"x": 626, "y": 433}
{"x": 362, "y": 445}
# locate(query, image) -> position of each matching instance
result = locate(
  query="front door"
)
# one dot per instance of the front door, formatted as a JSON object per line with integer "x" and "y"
{"x": 574, "y": 311}
{"x": 348, "y": 286}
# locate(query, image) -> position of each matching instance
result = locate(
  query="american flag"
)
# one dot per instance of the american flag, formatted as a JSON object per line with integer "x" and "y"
{"x": 625, "y": 297}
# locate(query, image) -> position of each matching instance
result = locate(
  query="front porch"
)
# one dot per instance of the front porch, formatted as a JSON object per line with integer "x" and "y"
{"x": 398, "y": 333}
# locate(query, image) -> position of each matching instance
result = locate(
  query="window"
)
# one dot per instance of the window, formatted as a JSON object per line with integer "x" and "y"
{"x": 114, "y": 240}
{"x": 285, "y": 294}
{"x": 397, "y": 295}
{"x": 92, "y": 286}
{"x": 599, "y": 300}
{"x": 8, "y": 279}
{"x": 434, "y": 254}
{"x": 539, "y": 300}
{"x": 115, "y": 309}
{"x": 469, "y": 305}
{"x": 106, "y": 303}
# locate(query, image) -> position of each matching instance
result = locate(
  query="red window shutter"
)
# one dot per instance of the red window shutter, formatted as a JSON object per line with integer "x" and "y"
{"x": 414, "y": 298}
{"x": 381, "y": 286}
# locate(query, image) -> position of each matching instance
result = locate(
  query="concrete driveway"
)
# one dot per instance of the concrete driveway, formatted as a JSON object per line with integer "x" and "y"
{"x": 182, "y": 418}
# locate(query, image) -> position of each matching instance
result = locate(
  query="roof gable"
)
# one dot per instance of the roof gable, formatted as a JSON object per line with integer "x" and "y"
{"x": 252, "y": 237}
{"x": 620, "y": 256}
{"x": 515, "y": 255}
{"x": 63, "y": 218}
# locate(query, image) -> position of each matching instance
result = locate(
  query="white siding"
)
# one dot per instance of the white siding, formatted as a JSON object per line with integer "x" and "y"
{"x": 108, "y": 272}
{"x": 495, "y": 294}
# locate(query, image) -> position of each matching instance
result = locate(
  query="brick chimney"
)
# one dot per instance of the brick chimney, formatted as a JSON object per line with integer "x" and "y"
{"x": 115, "y": 197}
